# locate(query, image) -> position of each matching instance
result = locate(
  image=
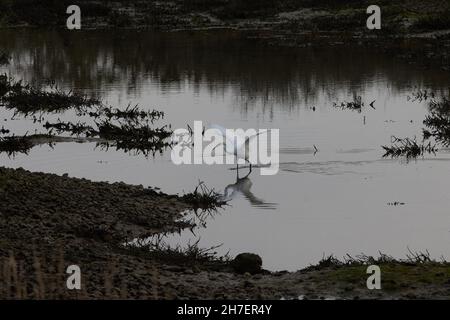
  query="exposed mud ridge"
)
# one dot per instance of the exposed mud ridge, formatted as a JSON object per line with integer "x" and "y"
{"x": 48, "y": 222}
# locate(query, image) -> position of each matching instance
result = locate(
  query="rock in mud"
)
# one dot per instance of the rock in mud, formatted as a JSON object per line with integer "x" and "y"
{"x": 247, "y": 262}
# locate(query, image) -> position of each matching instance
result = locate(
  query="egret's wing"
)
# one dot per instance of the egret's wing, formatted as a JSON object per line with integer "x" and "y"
{"x": 234, "y": 142}
{"x": 221, "y": 129}
{"x": 247, "y": 140}
{"x": 228, "y": 143}
{"x": 220, "y": 144}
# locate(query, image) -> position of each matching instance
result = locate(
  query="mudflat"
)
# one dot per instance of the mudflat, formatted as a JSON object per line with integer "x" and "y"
{"x": 48, "y": 222}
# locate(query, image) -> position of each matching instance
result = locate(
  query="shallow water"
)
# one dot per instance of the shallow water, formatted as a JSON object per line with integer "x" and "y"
{"x": 332, "y": 201}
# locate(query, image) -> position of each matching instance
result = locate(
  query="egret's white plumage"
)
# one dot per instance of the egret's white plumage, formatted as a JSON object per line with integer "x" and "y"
{"x": 237, "y": 145}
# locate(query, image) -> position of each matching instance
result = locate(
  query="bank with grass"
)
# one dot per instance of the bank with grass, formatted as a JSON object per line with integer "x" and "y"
{"x": 48, "y": 222}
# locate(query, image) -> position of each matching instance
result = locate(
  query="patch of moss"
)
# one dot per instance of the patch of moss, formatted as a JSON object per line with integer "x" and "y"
{"x": 433, "y": 21}
{"x": 394, "y": 276}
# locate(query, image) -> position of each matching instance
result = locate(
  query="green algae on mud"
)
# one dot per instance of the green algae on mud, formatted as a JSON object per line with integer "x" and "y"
{"x": 397, "y": 275}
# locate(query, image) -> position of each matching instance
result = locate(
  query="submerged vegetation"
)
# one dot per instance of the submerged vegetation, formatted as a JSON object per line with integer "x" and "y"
{"x": 16, "y": 144}
{"x": 421, "y": 95}
{"x": 130, "y": 129}
{"x": 76, "y": 129}
{"x": 408, "y": 148}
{"x": 437, "y": 124}
{"x": 13, "y": 145}
{"x": 141, "y": 139}
{"x": 27, "y": 100}
{"x": 130, "y": 114}
{"x": 355, "y": 105}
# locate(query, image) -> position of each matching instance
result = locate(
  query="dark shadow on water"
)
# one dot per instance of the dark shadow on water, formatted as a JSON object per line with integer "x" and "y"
{"x": 216, "y": 61}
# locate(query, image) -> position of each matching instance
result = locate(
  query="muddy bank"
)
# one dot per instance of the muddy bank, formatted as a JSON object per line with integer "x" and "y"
{"x": 411, "y": 30}
{"x": 48, "y": 222}
{"x": 291, "y": 15}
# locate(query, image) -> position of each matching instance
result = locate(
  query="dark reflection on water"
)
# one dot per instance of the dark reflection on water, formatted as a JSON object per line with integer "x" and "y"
{"x": 284, "y": 76}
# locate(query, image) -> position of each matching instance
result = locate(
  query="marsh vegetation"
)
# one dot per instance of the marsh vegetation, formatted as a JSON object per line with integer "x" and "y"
{"x": 130, "y": 129}
{"x": 196, "y": 75}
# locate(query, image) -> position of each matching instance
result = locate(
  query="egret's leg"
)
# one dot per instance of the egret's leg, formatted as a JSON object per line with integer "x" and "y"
{"x": 250, "y": 171}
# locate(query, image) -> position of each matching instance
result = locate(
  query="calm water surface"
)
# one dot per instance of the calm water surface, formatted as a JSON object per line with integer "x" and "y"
{"x": 333, "y": 201}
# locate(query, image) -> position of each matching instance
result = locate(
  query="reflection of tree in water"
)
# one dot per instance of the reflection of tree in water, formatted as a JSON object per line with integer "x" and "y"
{"x": 438, "y": 121}
{"x": 435, "y": 134}
{"x": 258, "y": 75}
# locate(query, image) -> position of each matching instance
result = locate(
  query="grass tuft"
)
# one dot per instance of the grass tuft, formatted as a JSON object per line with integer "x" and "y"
{"x": 412, "y": 258}
{"x": 203, "y": 198}
{"x": 190, "y": 255}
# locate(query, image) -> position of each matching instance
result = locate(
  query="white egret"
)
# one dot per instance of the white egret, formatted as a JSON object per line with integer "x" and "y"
{"x": 237, "y": 145}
